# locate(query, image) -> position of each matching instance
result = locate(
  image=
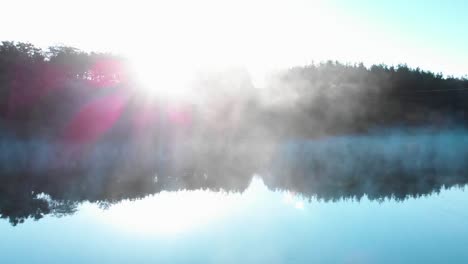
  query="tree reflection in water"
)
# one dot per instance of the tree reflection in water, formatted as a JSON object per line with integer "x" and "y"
{"x": 42, "y": 178}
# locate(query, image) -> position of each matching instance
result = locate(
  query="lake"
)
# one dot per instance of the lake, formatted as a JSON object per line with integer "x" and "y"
{"x": 258, "y": 226}
{"x": 393, "y": 197}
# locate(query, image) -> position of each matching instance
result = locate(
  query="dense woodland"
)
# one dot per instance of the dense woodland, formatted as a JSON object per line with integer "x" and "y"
{"x": 42, "y": 90}
{"x": 74, "y": 126}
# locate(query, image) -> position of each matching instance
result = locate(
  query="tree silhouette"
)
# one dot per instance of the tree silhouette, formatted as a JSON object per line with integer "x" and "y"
{"x": 73, "y": 129}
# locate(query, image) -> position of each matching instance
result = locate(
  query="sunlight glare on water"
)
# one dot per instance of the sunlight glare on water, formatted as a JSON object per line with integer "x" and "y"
{"x": 176, "y": 212}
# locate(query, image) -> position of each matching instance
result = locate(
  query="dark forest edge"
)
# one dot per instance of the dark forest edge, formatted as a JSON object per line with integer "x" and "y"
{"x": 74, "y": 127}
{"x": 41, "y": 91}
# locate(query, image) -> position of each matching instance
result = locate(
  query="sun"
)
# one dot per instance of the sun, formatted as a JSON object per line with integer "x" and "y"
{"x": 161, "y": 77}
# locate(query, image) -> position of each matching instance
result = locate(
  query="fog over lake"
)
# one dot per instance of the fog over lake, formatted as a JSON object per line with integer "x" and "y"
{"x": 391, "y": 196}
{"x": 233, "y": 132}
{"x": 393, "y": 164}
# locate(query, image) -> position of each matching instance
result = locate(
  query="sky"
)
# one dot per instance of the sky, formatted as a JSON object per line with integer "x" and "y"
{"x": 182, "y": 36}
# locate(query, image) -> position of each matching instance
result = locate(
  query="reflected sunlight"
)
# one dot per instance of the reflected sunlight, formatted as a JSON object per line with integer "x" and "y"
{"x": 293, "y": 200}
{"x": 169, "y": 212}
{"x": 180, "y": 211}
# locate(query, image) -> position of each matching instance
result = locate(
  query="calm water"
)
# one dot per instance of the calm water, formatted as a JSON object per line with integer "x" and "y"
{"x": 394, "y": 198}
{"x": 257, "y": 226}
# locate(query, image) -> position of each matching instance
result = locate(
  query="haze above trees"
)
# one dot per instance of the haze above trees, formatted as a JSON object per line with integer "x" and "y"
{"x": 75, "y": 126}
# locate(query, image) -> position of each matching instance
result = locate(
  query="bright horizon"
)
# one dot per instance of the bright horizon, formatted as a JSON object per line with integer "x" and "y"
{"x": 184, "y": 37}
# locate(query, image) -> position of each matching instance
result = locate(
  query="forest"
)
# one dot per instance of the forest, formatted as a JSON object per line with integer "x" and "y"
{"x": 74, "y": 127}
{"x": 42, "y": 90}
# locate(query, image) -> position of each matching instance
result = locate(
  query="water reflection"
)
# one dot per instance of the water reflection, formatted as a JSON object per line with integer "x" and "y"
{"x": 38, "y": 180}
{"x": 169, "y": 212}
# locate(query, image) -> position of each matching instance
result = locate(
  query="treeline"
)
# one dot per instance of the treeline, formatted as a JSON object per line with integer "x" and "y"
{"x": 36, "y": 84}
{"x": 73, "y": 127}
{"x": 41, "y": 91}
{"x": 333, "y": 98}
